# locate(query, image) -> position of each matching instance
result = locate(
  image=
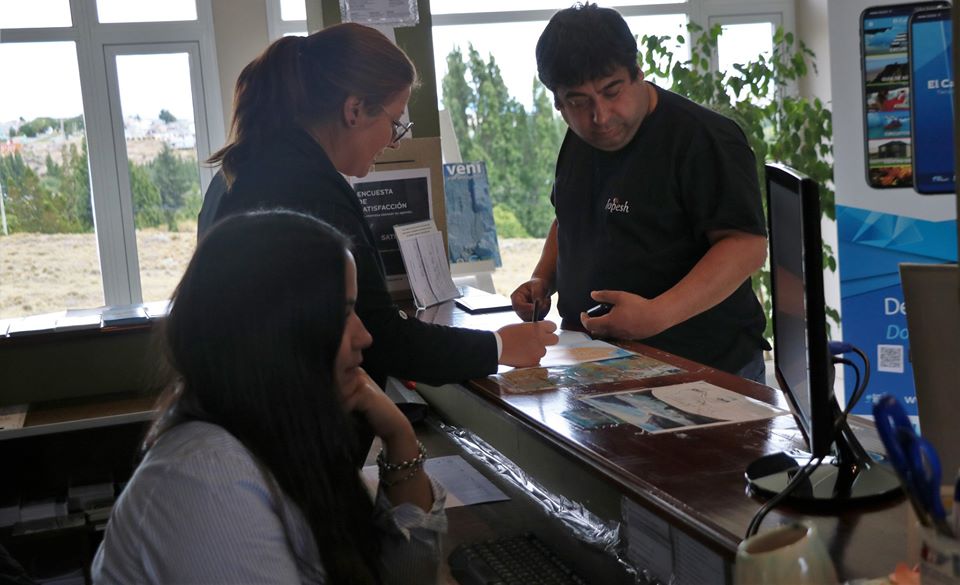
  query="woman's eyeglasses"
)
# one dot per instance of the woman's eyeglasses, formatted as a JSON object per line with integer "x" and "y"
{"x": 399, "y": 128}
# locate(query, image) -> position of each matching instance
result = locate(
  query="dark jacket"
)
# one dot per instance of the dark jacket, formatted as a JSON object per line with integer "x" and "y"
{"x": 294, "y": 172}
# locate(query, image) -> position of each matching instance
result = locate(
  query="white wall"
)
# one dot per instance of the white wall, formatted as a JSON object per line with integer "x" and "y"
{"x": 240, "y": 27}
{"x": 813, "y": 29}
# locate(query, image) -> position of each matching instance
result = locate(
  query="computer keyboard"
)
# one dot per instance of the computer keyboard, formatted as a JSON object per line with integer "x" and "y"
{"x": 514, "y": 560}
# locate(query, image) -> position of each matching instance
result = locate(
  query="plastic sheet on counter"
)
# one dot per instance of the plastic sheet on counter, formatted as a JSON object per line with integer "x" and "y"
{"x": 585, "y": 526}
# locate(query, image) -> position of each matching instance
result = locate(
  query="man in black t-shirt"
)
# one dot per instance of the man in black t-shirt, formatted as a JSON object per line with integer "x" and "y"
{"x": 657, "y": 205}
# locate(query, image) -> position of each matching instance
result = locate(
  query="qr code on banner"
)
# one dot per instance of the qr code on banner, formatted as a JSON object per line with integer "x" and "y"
{"x": 890, "y": 358}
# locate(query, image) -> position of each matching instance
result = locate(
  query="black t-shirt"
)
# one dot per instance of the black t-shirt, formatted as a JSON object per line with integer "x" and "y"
{"x": 637, "y": 220}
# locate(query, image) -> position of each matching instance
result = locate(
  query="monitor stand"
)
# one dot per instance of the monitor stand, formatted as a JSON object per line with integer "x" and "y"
{"x": 852, "y": 475}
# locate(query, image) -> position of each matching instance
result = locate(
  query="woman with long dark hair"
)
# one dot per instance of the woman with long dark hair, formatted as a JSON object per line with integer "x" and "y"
{"x": 249, "y": 474}
{"x": 310, "y": 110}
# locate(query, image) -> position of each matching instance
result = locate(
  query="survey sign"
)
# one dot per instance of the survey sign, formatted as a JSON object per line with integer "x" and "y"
{"x": 389, "y": 198}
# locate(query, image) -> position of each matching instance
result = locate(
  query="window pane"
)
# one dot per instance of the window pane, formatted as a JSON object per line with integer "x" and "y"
{"x": 48, "y": 259}
{"x": 459, "y": 6}
{"x": 513, "y": 44}
{"x": 743, "y": 43}
{"x": 146, "y": 10}
{"x": 660, "y": 25}
{"x": 35, "y": 14}
{"x": 292, "y": 9}
{"x": 156, "y": 99}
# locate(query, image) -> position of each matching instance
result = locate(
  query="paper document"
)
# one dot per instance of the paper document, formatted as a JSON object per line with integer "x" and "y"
{"x": 123, "y": 315}
{"x": 681, "y": 406}
{"x": 465, "y": 485}
{"x": 649, "y": 542}
{"x": 12, "y": 417}
{"x": 35, "y": 324}
{"x": 632, "y": 367}
{"x": 577, "y": 348}
{"x": 425, "y": 260}
{"x": 79, "y": 319}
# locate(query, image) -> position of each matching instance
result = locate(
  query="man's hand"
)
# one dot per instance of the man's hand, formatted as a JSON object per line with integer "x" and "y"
{"x": 535, "y": 289}
{"x": 632, "y": 316}
{"x": 525, "y": 343}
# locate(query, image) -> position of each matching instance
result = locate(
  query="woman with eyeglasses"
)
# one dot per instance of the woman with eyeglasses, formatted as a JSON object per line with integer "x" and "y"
{"x": 310, "y": 110}
{"x": 249, "y": 475}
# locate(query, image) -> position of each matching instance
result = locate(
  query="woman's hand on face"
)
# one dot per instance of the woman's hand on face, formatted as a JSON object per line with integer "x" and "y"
{"x": 363, "y": 396}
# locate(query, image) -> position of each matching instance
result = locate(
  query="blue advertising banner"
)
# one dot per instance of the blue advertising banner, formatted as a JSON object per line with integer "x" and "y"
{"x": 471, "y": 233}
{"x": 889, "y": 158}
{"x": 872, "y": 246}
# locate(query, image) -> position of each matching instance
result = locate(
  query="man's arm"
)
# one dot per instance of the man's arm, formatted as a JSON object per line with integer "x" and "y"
{"x": 542, "y": 283}
{"x": 733, "y": 256}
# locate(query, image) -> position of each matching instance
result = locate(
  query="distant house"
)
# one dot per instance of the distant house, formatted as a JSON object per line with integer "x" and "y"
{"x": 893, "y": 149}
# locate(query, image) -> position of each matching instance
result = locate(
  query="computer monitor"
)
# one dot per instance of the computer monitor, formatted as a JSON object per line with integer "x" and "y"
{"x": 803, "y": 363}
{"x": 801, "y": 355}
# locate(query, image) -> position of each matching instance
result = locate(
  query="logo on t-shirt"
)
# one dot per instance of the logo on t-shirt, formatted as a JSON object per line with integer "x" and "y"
{"x": 614, "y": 206}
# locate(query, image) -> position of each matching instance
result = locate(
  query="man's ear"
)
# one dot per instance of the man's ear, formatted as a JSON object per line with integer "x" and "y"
{"x": 639, "y": 74}
{"x": 352, "y": 106}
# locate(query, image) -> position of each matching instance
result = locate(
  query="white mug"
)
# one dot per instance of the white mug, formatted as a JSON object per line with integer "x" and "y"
{"x": 792, "y": 554}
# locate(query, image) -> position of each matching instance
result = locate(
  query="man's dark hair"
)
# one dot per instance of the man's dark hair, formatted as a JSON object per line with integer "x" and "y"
{"x": 583, "y": 43}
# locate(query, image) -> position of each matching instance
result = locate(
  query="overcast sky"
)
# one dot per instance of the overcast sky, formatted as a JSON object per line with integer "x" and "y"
{"x": 45, "y": 81}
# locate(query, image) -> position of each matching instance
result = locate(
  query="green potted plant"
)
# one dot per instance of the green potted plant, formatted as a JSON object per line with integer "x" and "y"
{"x": 780, "y": 125}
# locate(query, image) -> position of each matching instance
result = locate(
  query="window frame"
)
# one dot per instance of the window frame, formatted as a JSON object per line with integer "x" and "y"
{"x": 705, "y": 12}
{"x": 109, "y": 180}
{"x": 277, "y": 26}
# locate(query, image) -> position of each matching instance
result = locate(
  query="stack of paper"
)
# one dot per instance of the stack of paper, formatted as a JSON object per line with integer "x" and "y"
{"x": 79, "y": 319}
{"x": 124, "y": 315}
{"x": 425, "y": 260}
{"x": 35, "y": 324}
{"x": 84, "y": 497}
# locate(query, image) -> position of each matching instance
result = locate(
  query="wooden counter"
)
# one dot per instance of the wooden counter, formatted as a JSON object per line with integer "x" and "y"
{"x": 692, "y": 479}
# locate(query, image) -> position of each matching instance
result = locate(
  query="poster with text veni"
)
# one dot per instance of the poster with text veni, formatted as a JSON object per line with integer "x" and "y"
{"x": 882, "y": 220}
{"x": 390, "y": 198}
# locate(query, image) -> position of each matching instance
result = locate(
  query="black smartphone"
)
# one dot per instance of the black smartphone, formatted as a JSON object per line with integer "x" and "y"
{"x": 599, "y": 310}
{"x": 931, "y": 83}
{"x": 885, "y": 66}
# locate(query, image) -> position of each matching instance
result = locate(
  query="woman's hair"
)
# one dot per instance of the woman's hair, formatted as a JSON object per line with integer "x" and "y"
{"x": 252, "y": 337}
{"x": 583, "y": 43}
{"x": 304, "y": 81}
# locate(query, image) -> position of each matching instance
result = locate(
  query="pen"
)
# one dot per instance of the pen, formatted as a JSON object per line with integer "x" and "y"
{"x": 536, "y": 310}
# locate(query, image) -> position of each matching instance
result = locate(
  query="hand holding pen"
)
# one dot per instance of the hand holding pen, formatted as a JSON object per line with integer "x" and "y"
{"x": 525, "y": 343}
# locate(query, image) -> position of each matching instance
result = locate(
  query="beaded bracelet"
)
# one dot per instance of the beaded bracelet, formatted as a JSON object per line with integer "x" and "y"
{"x": 387, "y": 483}
{"x": 416, "y": 463}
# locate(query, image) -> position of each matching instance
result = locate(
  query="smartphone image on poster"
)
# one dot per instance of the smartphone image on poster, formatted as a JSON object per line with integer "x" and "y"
{"x": 885, "y": 66}
{"x": 932, "y": 105}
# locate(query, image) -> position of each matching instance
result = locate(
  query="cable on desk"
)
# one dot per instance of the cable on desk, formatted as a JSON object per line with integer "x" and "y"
{"x": 839, "y": 424}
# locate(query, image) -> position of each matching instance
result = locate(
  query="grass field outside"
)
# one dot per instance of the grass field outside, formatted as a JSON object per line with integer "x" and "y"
{"x": 42, "y": 273}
